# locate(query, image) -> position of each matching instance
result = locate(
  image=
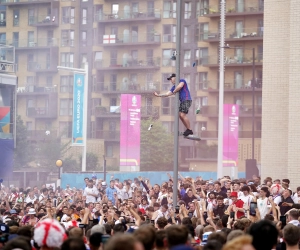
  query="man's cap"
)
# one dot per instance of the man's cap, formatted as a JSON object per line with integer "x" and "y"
{"x": 205, "y": 238}
{"x": 233, "y": 194}
{"x": 172, "y": 75}
{"x": 103, "y": 183}
{"x": 94, "y": 176}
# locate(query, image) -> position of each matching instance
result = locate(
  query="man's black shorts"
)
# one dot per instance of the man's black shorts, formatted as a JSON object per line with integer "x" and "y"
{"x": 184, "y": 106}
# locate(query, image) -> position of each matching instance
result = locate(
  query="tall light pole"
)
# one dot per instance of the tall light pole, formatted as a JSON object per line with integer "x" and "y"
{"x": 253, "y": 83}
{"x": 221, "y": 90}
{"x": 176, "y": 105}
{"x": 85, "y": 108}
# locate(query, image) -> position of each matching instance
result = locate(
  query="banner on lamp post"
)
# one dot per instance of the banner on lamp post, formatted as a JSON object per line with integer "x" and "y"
{"x": 230, "y": 135}
{"x": 78, "y": 105}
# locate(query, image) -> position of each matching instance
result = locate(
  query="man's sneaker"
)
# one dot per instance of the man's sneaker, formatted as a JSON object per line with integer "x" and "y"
{"x": 187, "y": 132}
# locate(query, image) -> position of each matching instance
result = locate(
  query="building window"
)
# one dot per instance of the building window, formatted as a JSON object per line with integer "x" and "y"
{"x": 66, "y": 84}
{"x": 202, "y": 82}
{"x": 169, "y": 33}
{"x": 203, "y": 55}
{"x": 187, "y": 10}
{"x": 66, "y": 107}
{"x": 98, "y": 59}
{"x": 115, "y": 8}
{"x": 68, "y": 15}
{"x": 83, "y": 38}
{"x": 84, "y": 16}
{"x": 3, "y": 41}
{"x": 16, "y": 17}
{"x": 167, "y": 62}
{"x": 187, "y": 35}
{"x": 29, "y": 126}
{"x": 49, "y": 81}
{"x": 187, "y": 58}
{"x": 65, "y": 129}
{"x": 2, "y": 17}
{"x": 204, "y": 31}
{"x": 67, "y": 60}
{"x": 83, "y": 60}
{"x": 167, "y": 106}
{"x": 31, "y": 17}
{"x": 67, "y": 38}
{"x": 169, "y": 9}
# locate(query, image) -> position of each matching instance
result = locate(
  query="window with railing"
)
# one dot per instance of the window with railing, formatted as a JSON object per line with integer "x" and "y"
{"x": 66, "y": 107}
{"x": 203, "y": 31}
{"x": 67, "y": 38}
{"x": 68, "y": 15}
{"x": 169, "y": 33}
{"x": 166, "y": 58}
{"x": 3, "y": 41}
{"x": 83, "y": 38}
{"x": 66, "y": 84}
{"x": 16, "y": 17}
{"x": 67, "y": 59}
{"x": 3, "y": 17}
{"x": 98, "y": 59}
{"x": 169, "y": 9}
{"x": 187, "y": 34}
{"x": 202, "y": 82}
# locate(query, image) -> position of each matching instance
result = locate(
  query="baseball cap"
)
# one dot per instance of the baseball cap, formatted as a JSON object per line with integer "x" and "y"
{"x": 233, "y": 194}
{"x": 172, "y": 75}
{"x": 4, "y": 228}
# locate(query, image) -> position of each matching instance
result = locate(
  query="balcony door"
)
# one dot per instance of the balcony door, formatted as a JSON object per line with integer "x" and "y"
{"x": 238, "y": 80}
{"x": 134, "y": 34}
{"x": 239, "y": 28}
{"x": 31, "y": 42}
{"x": 240, "y": 5}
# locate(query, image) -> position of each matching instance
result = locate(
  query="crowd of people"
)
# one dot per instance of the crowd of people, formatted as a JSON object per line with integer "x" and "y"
{"x": 226, "y": 214}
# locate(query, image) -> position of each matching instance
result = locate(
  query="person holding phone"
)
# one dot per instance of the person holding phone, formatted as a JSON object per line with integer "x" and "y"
{"x": 263, "y": 204}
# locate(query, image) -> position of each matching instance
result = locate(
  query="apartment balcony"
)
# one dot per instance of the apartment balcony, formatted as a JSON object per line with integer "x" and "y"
{"x": 244, "y": 111}
{"x": 39, "y": 43}
{"x": 107, "y": 135}
{"x": 41, "y": 67}
{"x": 232, "y": 35}
{"x": 128, "y": 16}
{"x": 114, "y": 112}
{"x": 43, "y": 21}
{"x": 42, "y": 112}
{"x": 248, "y": 8}
{"x": 6, "y": 67}
{"x": 213, "y": 135}
{"x": 127, "y": 63}
{"x": 231, "y": 61}
{"x": 40, "y": 135}
{"x": 132, "y": 40}
{"x": 126, "y": 88}
{"x": 24, "y": 2}
{"x": 36, "y": 91}
{"x": 230, "y": 85}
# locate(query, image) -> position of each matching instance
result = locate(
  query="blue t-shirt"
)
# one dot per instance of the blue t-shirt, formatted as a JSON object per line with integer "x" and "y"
{"x": 184, "y": 93}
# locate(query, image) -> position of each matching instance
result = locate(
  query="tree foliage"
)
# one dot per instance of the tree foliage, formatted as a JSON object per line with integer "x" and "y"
{"x": 49, "y": 151}
{"x": 23, "y": 151}
{"x": 156, "y": 147}
{"x": 91, "y": 162}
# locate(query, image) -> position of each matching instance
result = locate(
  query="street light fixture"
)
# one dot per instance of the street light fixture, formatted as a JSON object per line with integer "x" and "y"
{"x": 253, "y": 85}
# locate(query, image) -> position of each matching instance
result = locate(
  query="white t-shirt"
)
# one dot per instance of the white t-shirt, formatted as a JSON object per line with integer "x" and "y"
{"x": 29, "y": 200}
{"x": 263, "y": 207}
{"x": 247, "y": 199}
{"x": 88, "y": 191}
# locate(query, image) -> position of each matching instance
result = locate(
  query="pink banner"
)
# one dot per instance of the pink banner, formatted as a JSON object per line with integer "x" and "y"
{"x": 230, "y": 135}
{"x": 130, "y": 132}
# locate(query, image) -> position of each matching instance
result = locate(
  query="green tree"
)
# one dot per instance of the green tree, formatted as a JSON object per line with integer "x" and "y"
{"x": 49, "y": 151}
{"x": 156, "y": 147}
{"x": 70, "y": 164}
{"x": 23, "y": 151}
{"x": 91, "y": 162}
